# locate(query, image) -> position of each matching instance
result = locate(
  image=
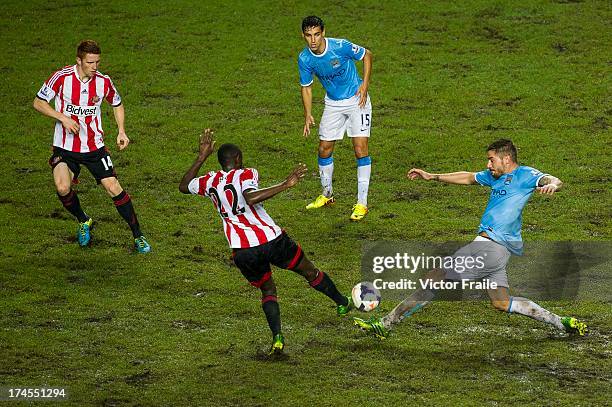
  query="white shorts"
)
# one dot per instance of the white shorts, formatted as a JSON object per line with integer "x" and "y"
{"x": 490, "y": 262}
{"x": 345, "y": 116}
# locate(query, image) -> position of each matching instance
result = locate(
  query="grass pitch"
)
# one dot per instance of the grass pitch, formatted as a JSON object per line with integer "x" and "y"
{"x": 181, "y": 326}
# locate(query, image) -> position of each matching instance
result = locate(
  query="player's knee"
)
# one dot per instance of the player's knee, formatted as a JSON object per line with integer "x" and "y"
{"x": 306, "y": 269}
{"x": 310, "y": 275}
{"x": 500, "y": 305}
{"x": 112, "y": 186}
{"x": 325, "y": 153}
{"x": 268, "y": 287}
{"x": 361, "y": 151}
{"x": 62, "y": 187}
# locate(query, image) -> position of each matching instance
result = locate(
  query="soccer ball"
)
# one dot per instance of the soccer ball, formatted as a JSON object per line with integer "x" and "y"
{"x": 366, "y": 297}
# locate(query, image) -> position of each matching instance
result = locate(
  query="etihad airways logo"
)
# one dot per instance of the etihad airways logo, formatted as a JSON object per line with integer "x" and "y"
{"x": 81, "y": 111}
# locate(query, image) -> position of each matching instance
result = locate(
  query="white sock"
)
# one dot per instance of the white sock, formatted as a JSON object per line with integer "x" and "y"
{"x": 326, "y": 171}
{"x": 364, "y": 168}
{"x": 524, "y": 306}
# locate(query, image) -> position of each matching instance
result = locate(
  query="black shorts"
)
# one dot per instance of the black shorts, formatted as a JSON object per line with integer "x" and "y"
{"x": 97, "y": 162}
{"x": 254, "y": 262}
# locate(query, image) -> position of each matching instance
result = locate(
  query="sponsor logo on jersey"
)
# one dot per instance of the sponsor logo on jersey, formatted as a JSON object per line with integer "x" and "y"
{"x": 332, "y": 76}
{"x": 335, "y": 63}
{"x": 81, "y": 111}
{"x": 499, "y": 192}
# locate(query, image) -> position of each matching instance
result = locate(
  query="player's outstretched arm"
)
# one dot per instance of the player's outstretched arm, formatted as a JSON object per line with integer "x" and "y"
{"x": 459, "y": 178}
{"x": 256, "y": 196}
{"x": 207, "y": 146}
{"x": 45, "y": 108}
{"x": 548, "y": 185}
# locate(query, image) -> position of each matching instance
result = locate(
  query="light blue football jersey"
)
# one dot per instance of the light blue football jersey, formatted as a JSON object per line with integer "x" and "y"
{"x": 335, "y": 68}
{"x": 502, "y": 218}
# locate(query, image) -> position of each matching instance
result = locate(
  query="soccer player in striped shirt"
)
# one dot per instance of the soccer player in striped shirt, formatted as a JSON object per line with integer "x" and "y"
{"x": 256, "y": 241}
{"x": 347, "y": 106}
{"x": 78, "y": 91}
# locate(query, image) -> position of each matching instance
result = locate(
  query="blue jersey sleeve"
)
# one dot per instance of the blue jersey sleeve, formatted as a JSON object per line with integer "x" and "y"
{"x": 351, "y": 50}
{"x": 306, "y": 77}
{"x": 530, "y": 177}
{"x": 484, "y": 178}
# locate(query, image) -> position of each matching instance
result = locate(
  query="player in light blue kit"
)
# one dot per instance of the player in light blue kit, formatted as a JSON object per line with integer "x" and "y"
{"x": 499, "y": 234}
{"x": 347, "y": 106}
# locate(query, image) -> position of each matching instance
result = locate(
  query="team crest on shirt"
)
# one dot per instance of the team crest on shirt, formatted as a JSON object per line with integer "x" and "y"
{"x": 508, "y": 180}
{"x": 94, "y": 99}
{"x": 335, "y": 63}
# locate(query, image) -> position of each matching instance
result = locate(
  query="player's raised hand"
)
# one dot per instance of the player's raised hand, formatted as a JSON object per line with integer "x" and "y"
{"x": 362, "y": 91}
{"x": 70, "y": 125}
{"x": 417, "y": 173}
{"x": 310, "y": 121}
{"x": 207, "y": 143}
{"x": 296, "y": 175}
{"x": 122, "y": 140}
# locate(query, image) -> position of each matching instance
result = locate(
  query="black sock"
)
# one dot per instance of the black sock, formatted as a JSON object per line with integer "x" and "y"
{"x": 269, "y": 303}
{"x": 324, "y": 284}
{"x": 73, "y": 205}
{"x": 124, "y": 206}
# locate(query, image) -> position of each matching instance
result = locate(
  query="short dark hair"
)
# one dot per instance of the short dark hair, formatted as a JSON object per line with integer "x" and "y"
{"x": 88, "y": 47}
{"x": 504, "y": 147}
{"x": 227, "y": 154}
{"x": 312, "y": 22}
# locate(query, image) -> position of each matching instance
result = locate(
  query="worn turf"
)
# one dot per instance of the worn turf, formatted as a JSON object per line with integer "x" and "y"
{"x": 181, "y": 326}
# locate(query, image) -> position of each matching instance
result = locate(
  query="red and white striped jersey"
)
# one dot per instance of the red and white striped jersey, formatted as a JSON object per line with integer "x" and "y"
{"x": 245, "y": 225}
{"x": 82, "y": 102}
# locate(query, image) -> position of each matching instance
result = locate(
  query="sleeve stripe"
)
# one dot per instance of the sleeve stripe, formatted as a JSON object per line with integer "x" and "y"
{"x": 57, "y": 75}
{"x": 308, "y": 84}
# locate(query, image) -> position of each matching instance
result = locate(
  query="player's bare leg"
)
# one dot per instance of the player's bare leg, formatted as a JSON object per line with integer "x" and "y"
{"x": 62, "y": 177}
{"x": 364, "y": 169}
{"x": 501, "y": 300}
{"x": 326, "y": 172}
{"x": 322, "y": 283}
{"x": 124, "y": 206}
